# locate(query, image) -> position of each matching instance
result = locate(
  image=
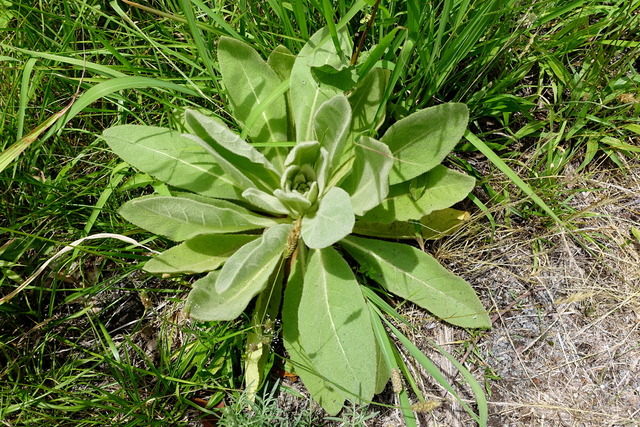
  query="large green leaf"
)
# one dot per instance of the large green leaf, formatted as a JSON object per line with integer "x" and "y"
{"x": 172, "y": 158}
{"x": 307, "y": 94}
{"x": 335, "y": 327}
{"x": 322, "y": 391}
{"x": 438, "y": 189}
{"x": 412, "y": 274}
{"x": 332, "y": 125}
{"x": 198, "y": 254}
{"x": 366, "y": 98}
{"x": 422, "y": 140}
{"x": 333, "y": 220}
{"x": 206, "y": 304}
{"x": 249, "y": 81}
{"x": 233, "y": 149}
{"x": 211, "y": 298}
{"x": 368, "y": 183}
{"x": 254, "y": 261}
{"x": 327, "y": 331}
{"x": 180, "y": 218}
{"x": 281, "y": 60}
{"x": 436, "y": 224}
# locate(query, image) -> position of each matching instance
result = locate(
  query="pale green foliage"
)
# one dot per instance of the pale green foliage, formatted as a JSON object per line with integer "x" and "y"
{"x": 328, "y": 319}
{"x": 338, "y": 179}
{"x": 202, "y": 253}
{"x": 412, "y": 274}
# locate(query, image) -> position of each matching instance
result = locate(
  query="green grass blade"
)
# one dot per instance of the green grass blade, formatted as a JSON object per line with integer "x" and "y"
{"x": 433, "y": 370}
{"x": 476, "y": 388}
{"x": 80, "y": 63}
{"x": 215, "y": 17}
{"x": 201, "y": 45}
{"x": 112, "y": 86}
{"x": 502, "y": 166}
{"x": 116, "y": 178}
{"x": 12, "y": 153}
{"x": 24, "y": 94}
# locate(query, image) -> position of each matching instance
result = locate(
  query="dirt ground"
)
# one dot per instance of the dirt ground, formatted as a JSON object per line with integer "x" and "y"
{"x": 564, "y": 349}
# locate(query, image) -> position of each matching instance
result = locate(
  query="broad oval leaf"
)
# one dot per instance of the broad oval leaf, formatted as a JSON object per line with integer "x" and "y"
{"x": 307, "y": 94}
{"x": 333, "y": 220}
{"x": 224, "y": 294}
{"x": 328, "y": 332}
{"x": 172, "y": 158}
{"x": 255, "y": 261}
{"x": 180, "y": 218}
{"x": 368, "y": 183}
{"x": 414, "y": 275}
{"x": 249, "y": 81}
{"x": 438, "y": 189}
{"x": 198, "y": 254}
{"x": 421, "y": 141}
{"x": 322, "y": 390}
{"x": 435, "y": 225}
{"x": 206, "y": 304}
{"x": 335, "y": 327}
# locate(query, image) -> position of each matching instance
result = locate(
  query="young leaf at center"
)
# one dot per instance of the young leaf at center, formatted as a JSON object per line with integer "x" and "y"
{"x": 333, "y": 220}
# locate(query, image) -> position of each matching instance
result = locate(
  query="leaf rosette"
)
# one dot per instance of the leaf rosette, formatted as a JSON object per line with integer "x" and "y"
{"x": 240, "y": 204}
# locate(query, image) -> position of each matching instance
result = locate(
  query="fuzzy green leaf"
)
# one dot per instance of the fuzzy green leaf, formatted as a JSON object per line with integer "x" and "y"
{"x": 281, "y": 60}
{"x": 333, "y": 220}
{"x": 224, "y": 294}
{"x": 265, "y": 201}
{"x": 198, "y": 254}
{"x": 437, "y": 189}
{"x": 335, "y": 327}
{"x": 332, "y": 125}
{"x": 206, "y": 304}
{"x": 239, "y": 153}
{"x": 322, "y": 391}
{"x": 172, "y": 158}
{"x": 255, "y": 261}
{"x": 412, "y": 274}
{"x": 249, "y": 80}
{"x": 422, "y": 140}
{"x": 436, "y": 224}
{"x": 368, "y": 183}
{"x": 180, "y": 218}
{"x": 344, "y": 78}
{"x": 366, "y": 99}
{"x": 307, "y": 94}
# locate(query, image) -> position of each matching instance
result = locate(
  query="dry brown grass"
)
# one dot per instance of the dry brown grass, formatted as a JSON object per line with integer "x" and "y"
{"x": 565, "y": 346}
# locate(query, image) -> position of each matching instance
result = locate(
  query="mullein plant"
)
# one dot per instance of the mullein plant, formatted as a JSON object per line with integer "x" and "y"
{"x": 285, "y": 224}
